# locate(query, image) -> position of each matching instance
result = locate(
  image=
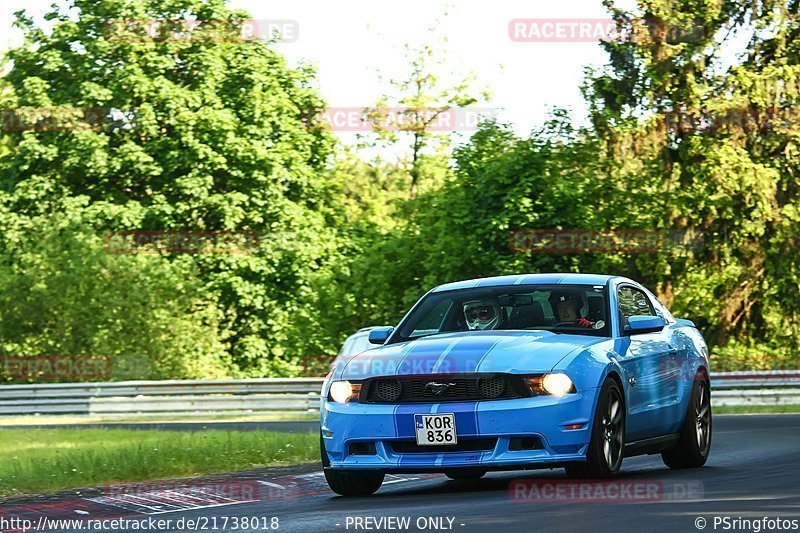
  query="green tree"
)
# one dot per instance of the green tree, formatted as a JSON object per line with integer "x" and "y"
{"x": 200, "y": 133}
{"x": 380, "y": 274}
{"x": 372, "y": 192}
{"x": 6, "y": 99}
{"x": 424, "y": 105}
{"x": 692, "y": 136}
{"x": 63, "y": 294}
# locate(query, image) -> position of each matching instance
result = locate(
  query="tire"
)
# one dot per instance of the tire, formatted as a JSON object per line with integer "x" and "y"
{"x": 349, "y": 483}
{"x": 695, "y": 439}
{"x": 459, "y": 475}
{"x": 354, "y": 483}
{"x": 326, "y": 462}
{"x": 607, "y": 443}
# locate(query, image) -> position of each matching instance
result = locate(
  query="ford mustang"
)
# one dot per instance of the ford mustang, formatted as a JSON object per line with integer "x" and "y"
{"x": 519, "y": 372}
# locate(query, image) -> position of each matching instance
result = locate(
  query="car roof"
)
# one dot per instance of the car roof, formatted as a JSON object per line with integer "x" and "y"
{"x": 527, "y": 279}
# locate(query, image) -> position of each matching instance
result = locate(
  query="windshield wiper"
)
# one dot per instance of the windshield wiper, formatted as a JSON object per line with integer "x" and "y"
{"x": 426, "y": 335}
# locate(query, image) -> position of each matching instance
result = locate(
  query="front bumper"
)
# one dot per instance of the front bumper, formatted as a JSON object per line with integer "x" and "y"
{"x": 542, "y": 417}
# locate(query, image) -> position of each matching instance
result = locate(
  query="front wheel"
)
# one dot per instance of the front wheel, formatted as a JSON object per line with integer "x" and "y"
{"x": 354, "y": 483}
{"x": 459, "y": 475}
{"x": 607, "y": 442}
{"x": 695, "y": 439}
{"x": 349, "y": 483}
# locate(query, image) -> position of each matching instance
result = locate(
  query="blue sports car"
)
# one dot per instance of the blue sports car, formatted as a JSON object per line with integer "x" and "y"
{"x": 519, "y": 372}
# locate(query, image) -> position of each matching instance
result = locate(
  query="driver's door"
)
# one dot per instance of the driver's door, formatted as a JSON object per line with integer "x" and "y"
{"x": 646, "y": 360}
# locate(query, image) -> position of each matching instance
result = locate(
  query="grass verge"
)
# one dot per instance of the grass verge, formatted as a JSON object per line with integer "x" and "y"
{"x": 160, "y": 419}
{"x": 45, "y": 460}
{"x": 754, "y": 409}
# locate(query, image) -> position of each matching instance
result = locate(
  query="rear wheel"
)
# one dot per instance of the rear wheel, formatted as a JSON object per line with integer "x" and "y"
{"x": 465, "y": 474}
{"x": 607, "y": 443}
{"x": 695, "y": 441}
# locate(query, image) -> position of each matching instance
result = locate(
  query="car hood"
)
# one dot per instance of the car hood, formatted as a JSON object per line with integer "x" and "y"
{"x": 513, "y": 352}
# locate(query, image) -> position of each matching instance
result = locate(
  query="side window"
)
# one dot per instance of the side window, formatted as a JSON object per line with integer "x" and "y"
{"x": 633, "y": 302}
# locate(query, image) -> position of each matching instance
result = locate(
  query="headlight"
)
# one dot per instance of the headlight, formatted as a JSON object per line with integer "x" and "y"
{"x": 344, "y": 391}
{"x": 557, "y": 384}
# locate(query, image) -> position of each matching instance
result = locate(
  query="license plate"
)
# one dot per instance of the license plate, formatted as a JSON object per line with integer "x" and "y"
{"x": 436, "y": 430}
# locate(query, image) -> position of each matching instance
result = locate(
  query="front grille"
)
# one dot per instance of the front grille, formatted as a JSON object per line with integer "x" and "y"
{"x": 466, "y": 445}
{"x": 388, "y": 390}
{"x": 440, "y": 388}
{"x": 491, "y": 387}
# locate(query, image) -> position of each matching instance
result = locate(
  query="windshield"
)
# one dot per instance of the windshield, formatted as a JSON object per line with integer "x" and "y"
{"x": 574, "y": 309}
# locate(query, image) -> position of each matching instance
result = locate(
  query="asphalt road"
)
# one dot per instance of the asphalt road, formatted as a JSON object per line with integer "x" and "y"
{"x": 753, "y": 472}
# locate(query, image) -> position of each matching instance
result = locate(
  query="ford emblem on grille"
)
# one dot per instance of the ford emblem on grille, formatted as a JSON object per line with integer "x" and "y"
{"x": 438, "y": 388}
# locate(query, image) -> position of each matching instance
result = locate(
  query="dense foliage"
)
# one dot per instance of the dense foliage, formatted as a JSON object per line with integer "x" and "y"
{"x": 196, "y": 134}
{"x": 210, "y": 135}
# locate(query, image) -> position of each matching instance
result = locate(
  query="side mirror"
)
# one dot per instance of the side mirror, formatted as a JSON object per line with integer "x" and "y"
{"x": 379, "y": 335}
{"x": 644, "y": 324}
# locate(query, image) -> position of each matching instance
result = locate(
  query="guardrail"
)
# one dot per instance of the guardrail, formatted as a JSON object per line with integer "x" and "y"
{"x": 297, "y": 395}
{"x": 771, "y": 387}
{"x": 146, "y": 398}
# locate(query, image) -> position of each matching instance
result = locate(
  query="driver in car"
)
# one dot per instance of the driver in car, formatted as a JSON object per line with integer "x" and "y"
{"x": 482, "y": 314}
{"x": 567, "y": 308}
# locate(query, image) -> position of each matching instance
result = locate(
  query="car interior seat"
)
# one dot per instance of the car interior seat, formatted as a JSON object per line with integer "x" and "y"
{"x": 596, "y": 311}
{"x": 526, "y": 316}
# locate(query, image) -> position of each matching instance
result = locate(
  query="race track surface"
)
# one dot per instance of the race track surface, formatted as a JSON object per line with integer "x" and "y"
{"x": 753, "y": 472}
